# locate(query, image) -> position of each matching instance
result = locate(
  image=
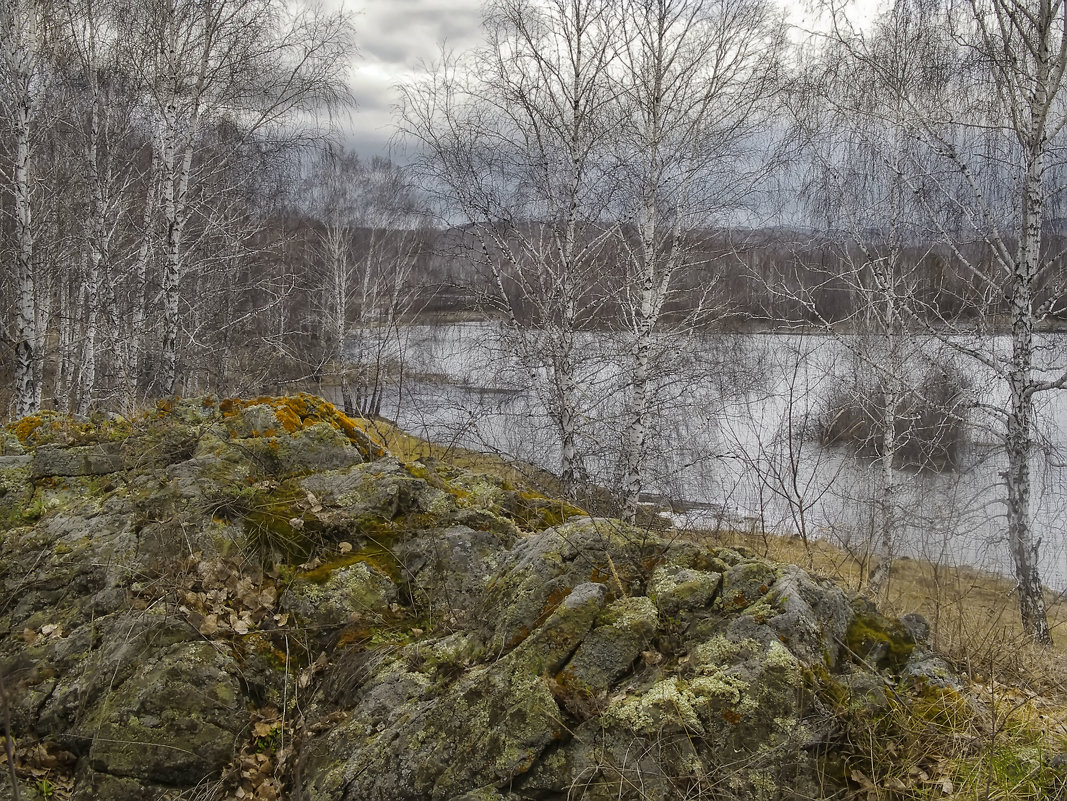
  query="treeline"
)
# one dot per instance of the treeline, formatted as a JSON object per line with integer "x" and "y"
{"x": 773, "y": 278}
{"x": 144, "y": 147}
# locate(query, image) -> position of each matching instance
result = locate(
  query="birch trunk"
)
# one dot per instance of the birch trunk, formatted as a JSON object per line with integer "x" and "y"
{"x": 135, "y": 361}
{"x": 1019, "y": 441}
{"x": 572, "y": 473}
{"x": 27, "y": 389}
{"x": 886, "y": 502}
{"x": 94, "y": 257}
{"x": 637, "y": 428}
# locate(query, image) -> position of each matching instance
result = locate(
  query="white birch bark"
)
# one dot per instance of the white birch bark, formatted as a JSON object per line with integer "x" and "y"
{"x": 96, "y": 236}
{"x": 692, "y": 82}
{"x": 519, "y": 142}
{"x": 20, "y": 48}
{"x": 27, "y": 392}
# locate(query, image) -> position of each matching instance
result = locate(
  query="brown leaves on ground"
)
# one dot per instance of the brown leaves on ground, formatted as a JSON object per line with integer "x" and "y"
{"x": 45, "y": 766}
{"x": 219, "y": 600}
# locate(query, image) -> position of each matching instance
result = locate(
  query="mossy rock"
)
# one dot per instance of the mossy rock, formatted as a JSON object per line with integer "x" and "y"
{"x": 446, "y": 647}
{"x": 329, "y": 597}
{"x": 745, "y": 583}
{"x": 9, "y": 443}
{"x": 683, "y": 589}
{"x": 173, "y": 722}
{"x": 623, "y": 630}
{"x": 532, "y": 511}
{"x": 289, "y": 414}
{"x": 877, "y": 641}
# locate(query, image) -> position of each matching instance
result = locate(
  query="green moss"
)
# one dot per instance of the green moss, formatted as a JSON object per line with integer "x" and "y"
{"x": 533, "y": 511}
{"x": 876, "y": 640}
{"x": 377, "y": 556}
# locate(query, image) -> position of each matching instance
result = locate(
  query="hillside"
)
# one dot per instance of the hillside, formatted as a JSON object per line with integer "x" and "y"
{"x": 255, "y": 599}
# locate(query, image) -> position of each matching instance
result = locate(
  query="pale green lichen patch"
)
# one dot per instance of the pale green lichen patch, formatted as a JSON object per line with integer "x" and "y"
{"x": 683, "y": 589}
{"x": 668, "y": 705}
{"x": 346, "y": 591}
{"x": 745, "y": 583}
{"x": 623, "y": 630}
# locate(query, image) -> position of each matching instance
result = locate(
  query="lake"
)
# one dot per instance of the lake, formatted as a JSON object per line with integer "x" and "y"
{"x": 731, "y": 442}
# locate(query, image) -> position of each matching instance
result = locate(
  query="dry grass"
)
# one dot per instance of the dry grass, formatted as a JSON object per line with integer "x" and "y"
{"x": 408, "y": 448}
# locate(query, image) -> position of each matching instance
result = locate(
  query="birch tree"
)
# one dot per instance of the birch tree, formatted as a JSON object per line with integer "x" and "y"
{"x": 694, "y": 82}
{"x": 849, "y": 123}
{"x": 25, "y": 77}
{"x": 103, "y": 92}
{"x": 990, "y": 125}
{"x": 515, "y": 144}
{"x": 251, "y": 63}
{"x": 370, "y": 225}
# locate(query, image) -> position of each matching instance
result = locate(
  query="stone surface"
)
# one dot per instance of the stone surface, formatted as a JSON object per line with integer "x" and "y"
{"x": 189, "y": 591}
{"x": 86, "y": 460}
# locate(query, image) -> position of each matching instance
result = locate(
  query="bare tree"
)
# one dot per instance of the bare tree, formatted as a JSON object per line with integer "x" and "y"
{"x": 514, "y": 143}
{"x": 370, "y": 239}
{"x": 24, "y": 87}
{"x": 693, "y": 82}
{"x": 252, "y": 64}
{"x": 849, "y": 124}
{"x": 990, "y": 124}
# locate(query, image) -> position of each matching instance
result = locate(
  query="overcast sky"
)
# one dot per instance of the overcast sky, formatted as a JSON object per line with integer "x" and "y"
{"x": 395, "y": 35}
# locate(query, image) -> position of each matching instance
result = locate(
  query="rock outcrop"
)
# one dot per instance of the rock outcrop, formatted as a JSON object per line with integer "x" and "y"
{"x": 254, "y": 599}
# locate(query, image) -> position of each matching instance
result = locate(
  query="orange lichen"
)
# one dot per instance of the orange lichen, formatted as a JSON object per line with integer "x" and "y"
{"x": 297, "y": 412}
{"x": 25, "y": 428}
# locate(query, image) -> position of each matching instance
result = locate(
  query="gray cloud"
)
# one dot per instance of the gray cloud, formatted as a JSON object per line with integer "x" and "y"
{"x": 394, "y": 37}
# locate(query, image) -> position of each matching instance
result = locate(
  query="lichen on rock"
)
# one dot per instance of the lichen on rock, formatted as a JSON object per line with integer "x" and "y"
{"x": 225, "y": 577}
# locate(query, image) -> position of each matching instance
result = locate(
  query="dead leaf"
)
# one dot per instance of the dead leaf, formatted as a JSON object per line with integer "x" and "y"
{"x": 860, "y": 778}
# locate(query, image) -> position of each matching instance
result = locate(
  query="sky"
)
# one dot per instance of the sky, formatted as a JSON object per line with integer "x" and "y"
{"x": 394, "y": 36}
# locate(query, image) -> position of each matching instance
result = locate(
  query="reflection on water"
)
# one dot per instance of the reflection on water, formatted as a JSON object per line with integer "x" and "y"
{"x": 731, "y": 441}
